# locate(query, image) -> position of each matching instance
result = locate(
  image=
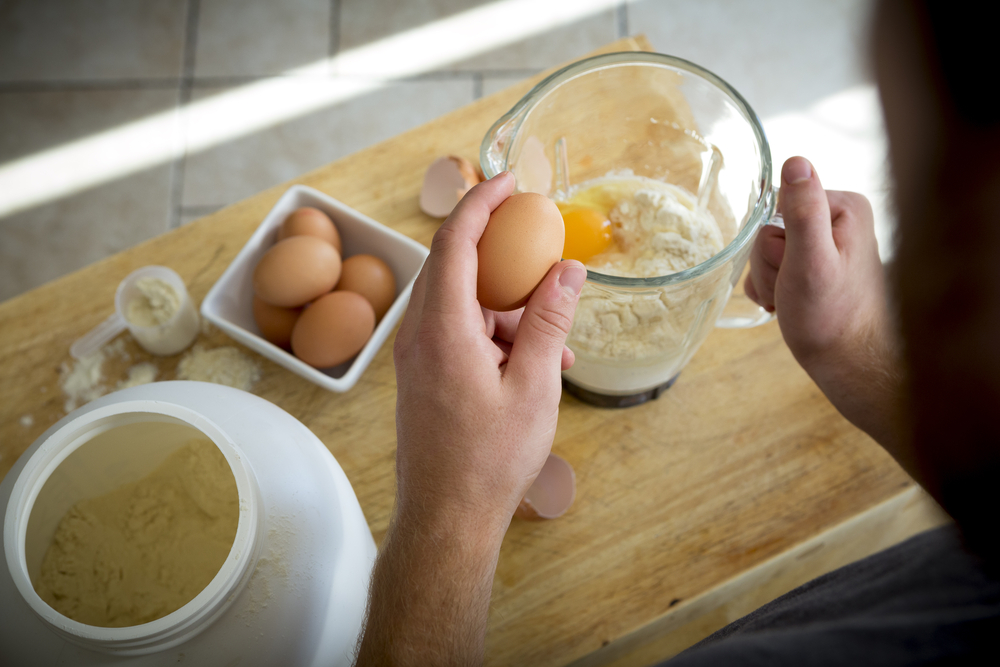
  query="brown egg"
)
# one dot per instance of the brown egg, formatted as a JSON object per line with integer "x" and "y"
{"x": 275, "y": 323}
{"x": 370, "y": 277}
{"x": 308, "y": 221}
{"x": 522, "y": 241}
{"x": 296, "y": 271}
{"x": 333, "y": 329}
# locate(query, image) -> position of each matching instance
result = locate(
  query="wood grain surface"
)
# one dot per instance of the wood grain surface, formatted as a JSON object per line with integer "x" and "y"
{"x": 734, "y": 468}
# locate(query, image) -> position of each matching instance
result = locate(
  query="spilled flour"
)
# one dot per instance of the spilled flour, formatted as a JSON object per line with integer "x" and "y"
{"x": 83, "y": 380}
{"x": 221, "y": 365}
{"x": 141, "y": 373}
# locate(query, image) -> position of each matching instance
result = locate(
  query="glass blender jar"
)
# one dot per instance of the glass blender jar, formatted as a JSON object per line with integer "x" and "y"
{"x": 644, "y": 116}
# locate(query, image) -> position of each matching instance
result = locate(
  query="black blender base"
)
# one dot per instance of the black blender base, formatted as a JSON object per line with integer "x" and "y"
{"x": 608, "y": 401}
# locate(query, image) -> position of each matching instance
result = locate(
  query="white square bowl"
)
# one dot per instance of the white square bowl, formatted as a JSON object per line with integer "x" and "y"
{"x": 228, "y": 304}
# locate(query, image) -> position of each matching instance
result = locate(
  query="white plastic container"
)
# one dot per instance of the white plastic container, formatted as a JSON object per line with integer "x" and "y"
{"x": 292, "y": 590}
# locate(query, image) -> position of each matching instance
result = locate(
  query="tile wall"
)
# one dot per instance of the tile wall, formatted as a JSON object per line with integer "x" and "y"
{"x": 74, "y": 70}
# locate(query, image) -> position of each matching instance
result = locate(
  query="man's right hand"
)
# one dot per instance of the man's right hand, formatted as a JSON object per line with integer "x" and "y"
{"x": 823, "y": 277}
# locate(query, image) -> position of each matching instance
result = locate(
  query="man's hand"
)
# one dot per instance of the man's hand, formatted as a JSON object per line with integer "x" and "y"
{"x": 823, "y": 277}
{"x": 478, "y": 391}
{"x": 476, "y": 413}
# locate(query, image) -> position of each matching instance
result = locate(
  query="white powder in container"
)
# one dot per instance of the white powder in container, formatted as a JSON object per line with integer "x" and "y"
{"x": 161, "y": 319}
{"x": 155, "y": 304}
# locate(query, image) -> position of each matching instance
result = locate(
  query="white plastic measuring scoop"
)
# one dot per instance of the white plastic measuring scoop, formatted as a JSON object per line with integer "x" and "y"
{"x": 164, "y": 339}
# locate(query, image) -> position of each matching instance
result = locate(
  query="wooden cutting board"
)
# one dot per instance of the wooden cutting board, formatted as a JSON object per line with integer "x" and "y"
{"x": 738, "y": 484}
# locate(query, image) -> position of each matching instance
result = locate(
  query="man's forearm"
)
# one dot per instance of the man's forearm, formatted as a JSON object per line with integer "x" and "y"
{"x": 430, "y": 593}
{"x": 866, "y": 384}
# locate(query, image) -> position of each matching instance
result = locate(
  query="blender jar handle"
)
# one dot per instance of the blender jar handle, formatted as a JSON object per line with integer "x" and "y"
{"x": 740, "y": 311}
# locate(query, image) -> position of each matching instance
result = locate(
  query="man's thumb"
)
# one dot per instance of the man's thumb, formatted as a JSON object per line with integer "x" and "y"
{"x": 806, "y": 211}
{"x": 545, "y": 323}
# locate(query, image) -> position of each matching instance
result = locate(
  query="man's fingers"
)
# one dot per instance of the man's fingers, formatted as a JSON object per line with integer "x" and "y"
{"x": 806, "y": 211}
{"x": 762, "y": 279}
{"x": 453, "y": 263}
{"x": 411, "y": 318}
{"x": 765, "y": 260}
{"x": 568, "y": 359}
{"x": 506, "y": 324}
{"x": 502, "y": 327}
{"x": 852, "y": 218}
{"x": 538, "y": 353}
{"x": 750, "y": 291}
{"x": 770, "y": 246}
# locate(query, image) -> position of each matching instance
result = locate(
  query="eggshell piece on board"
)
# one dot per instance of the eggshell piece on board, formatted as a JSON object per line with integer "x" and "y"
{"x": 370, "y": 277}
{"x": 309, "y": 221}
{"x": 445, "y": 183}
{"x": 295, "y": 271}
{"x": 333, "y": 329}
{"x": 552, "y": 492}
{"x": 275, "y": 323}
{"x": 521, "y": 242}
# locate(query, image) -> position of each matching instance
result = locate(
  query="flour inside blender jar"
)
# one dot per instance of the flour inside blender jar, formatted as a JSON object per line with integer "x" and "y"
{"x": 657, "y": 229}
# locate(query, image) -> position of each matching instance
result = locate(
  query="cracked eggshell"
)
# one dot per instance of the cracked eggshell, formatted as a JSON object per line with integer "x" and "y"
{"x": 552, "y": 492}
{"x": 445, "y": 183}
{"x": 532, "y": 168}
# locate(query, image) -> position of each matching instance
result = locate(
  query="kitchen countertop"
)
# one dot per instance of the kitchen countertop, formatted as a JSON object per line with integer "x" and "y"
{"x": 739, "y": 483}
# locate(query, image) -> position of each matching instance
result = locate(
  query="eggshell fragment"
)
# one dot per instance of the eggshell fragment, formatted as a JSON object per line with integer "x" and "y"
{"x": 308, "y": 221}
{"x": 552, "y": 492}
{"x": 532, "y": 169}
{"x": 370, "y": 277}
{"x": 295, "y": 271}
{"x": 333, "y": 329}
{"x": 521, "y": 242}
{"x": 275, "y": 323}
{"x": 445, "y": 183}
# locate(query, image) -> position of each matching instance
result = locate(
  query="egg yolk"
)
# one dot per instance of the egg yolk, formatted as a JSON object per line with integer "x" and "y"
{"x": 588, "y": 233}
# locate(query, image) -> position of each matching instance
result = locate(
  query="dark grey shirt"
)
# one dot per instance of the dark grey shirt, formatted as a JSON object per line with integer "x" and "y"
{"x": 924, "y": 601}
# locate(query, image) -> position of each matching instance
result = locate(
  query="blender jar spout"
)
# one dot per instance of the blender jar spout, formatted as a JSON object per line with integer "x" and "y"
{"x": 496, "y": 144}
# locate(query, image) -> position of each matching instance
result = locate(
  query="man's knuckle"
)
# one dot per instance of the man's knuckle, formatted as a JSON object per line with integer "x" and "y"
{"x": 804, "y": 210}
{"x": 443, "y": 240}
{"x": 552, "y": 322}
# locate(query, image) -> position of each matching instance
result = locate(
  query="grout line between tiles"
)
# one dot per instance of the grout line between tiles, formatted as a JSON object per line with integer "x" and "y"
{"x": 334, "y": 45}
{"x": 621, "y": 14}
{"x": 58, "y": 85}
{"x": 445, "y": 75}
{"x": 230, "y": 80}
{"x": 191, "y": 41}
{"x": 184, "y": 97}
{"x": 201, "y": 209}
{"x": 439, "y": 75}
